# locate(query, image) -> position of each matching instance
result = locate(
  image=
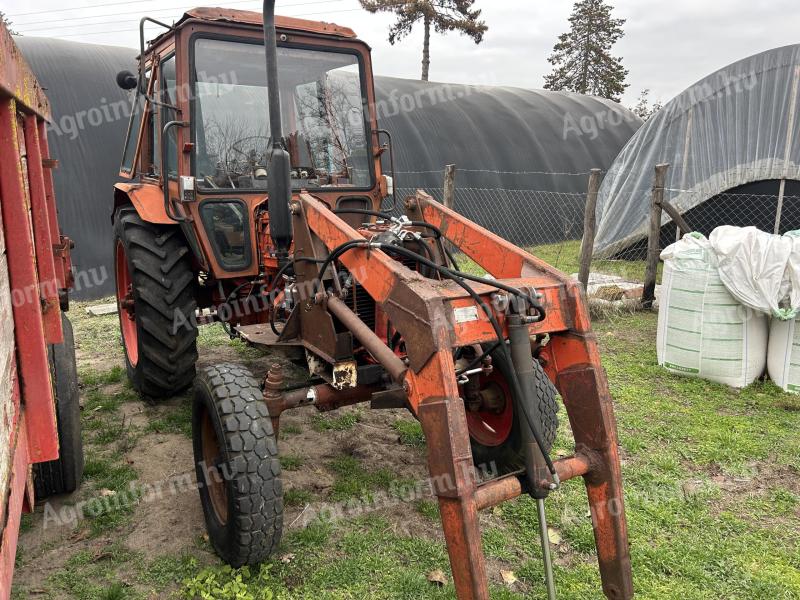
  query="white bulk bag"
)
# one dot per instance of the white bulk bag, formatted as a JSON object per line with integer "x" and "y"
{"x": 783, "y": 356}
{"x": 753, "y": 266}
{"x": 702, "y": 330}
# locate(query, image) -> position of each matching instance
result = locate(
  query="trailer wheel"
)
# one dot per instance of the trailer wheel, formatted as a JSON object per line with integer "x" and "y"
{"x": 236, "y": 461}
{"x": 156, "y": 305}
{"x": 495, "y": 432}
{"x": 63, "y": 475}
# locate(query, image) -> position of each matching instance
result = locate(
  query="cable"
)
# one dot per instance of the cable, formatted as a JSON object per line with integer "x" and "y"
{"x": 128, "y": 3}
{"x": 127, "y": 29}
{"x": 459, "y": 280}
{"x": 479, "y": 359}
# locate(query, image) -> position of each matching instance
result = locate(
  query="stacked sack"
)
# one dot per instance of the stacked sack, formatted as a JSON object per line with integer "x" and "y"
{"x": 718, "y": 296}
{"x": 702, "y": 330}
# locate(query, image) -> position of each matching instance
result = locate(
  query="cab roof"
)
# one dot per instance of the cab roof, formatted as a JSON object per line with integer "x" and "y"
{"x": 248, "y": 17}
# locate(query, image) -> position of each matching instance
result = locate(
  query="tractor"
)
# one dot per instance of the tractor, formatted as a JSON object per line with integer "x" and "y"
{"x": 261, "y": 197}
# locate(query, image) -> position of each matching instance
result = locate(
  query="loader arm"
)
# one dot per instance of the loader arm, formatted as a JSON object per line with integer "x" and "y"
{"x": 426, "y": 313}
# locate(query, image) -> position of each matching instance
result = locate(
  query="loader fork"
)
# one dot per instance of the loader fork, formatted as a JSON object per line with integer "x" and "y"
{"x": 422, "y": 313}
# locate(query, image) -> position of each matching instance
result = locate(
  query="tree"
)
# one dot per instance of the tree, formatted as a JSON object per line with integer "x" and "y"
{"x": 5, "y": 21}
{"x": 643, "y": 109}
{"x": 582, "y": 57}
{"x": 444, "y": 15}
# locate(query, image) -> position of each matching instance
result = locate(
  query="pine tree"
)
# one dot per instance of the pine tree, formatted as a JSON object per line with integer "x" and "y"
{"x": 582, "y": 57}
{"x": 643, "y": 109}
{"x": 443, "y": 15}
{"x": 5, "y": 21}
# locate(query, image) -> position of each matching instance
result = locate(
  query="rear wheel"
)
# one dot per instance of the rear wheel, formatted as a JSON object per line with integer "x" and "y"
{"x": 493, "y": 419}
{"x": 156, "y": 304}
{"x": 63, "y": 475}
{"x": 236, "y": 460}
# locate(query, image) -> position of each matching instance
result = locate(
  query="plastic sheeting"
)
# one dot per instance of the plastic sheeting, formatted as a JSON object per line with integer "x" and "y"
{"x": 753, "y": 265}
{"x": 737, "y": 126}
{"x": 498, "y": 137}
{"x": 90, "y": 119}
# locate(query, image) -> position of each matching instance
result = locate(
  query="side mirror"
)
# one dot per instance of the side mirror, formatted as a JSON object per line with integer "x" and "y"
{"x": 127, "y": 80}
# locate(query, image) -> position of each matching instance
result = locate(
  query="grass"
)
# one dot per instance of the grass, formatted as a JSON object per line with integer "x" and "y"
{"x": 410, "y": 432}
{"x": 711, "y": 481}
{"x": 564, "y": 256}
{"x": 341, "y": 422}
{"x": 353, "y": 480}
{"x": 173, "y": 419}
{"x": 683, "y": 442}
{"x": 291, "y": 462}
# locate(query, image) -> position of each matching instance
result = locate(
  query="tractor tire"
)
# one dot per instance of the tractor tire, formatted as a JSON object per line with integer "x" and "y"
{"x": 63, "y": 475}
{"x": 236, "y": 460}
{"x": 508, "y": 457}
{"x": 156, "y": 304}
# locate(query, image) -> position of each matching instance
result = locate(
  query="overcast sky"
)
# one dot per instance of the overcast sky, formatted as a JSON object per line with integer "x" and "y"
{"x": 667, "y": 45}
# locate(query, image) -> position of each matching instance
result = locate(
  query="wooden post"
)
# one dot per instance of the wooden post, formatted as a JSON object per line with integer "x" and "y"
{"x": 681, "y": 226}
{"x": 589, "y": 223}
{"x": 450, "y": 186}
{"x": 654, "y": 237}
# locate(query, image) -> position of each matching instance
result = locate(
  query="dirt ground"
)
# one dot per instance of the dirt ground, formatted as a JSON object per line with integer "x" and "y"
{"x": 171, "y": 523}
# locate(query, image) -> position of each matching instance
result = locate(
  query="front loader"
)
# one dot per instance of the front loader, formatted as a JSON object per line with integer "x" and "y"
{"x": 257, "y": 200}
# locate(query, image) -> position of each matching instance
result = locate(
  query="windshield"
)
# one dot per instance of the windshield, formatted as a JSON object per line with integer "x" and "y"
{"x": 322, "y": 109}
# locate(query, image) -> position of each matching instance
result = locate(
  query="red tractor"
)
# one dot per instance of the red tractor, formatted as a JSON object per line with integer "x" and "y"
{"x": 257, "y": 185}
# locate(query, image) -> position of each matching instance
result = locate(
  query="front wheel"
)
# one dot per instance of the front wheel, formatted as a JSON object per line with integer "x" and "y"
{"x": 495, "y": 422}
{"x": 236, "y": 461}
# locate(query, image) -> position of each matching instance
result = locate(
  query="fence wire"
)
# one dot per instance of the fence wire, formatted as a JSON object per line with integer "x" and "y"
{"x": 549, "y": 223}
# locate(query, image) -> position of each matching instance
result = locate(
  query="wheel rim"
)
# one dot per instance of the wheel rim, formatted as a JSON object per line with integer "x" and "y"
{"x": 212, "y": 457}
{"x": 125, "y": 305}
{"x": 492, "y": 426}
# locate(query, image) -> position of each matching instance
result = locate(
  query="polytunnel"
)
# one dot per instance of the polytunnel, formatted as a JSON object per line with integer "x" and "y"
{"x": 732, "y": 145}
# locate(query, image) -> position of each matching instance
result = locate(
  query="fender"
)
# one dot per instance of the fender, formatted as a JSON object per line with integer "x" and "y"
{"x": 147, "y": 199}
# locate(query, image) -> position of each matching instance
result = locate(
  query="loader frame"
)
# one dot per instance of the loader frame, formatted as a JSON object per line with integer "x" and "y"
{"x": 423, "y": 311}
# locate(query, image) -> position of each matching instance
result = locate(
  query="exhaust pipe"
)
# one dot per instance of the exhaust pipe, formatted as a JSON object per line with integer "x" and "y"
{"x": 279, "y": 183}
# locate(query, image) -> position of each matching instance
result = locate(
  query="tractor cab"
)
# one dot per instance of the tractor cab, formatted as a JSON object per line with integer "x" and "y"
{"x": 199, "y": 139}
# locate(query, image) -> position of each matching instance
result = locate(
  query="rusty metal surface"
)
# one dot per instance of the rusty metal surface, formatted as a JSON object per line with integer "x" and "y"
{"x": 17, "y": 80}
{"x": 374, "y": 345}
{"x": 497, "y": 491}
{"x": 29, "y": 333}
{"x": 248, "y": 17}
{"x": 44, "y": 240}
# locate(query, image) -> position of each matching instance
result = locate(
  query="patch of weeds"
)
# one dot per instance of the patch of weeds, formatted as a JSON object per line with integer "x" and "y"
{"x": 94, "y": 378}
{"x": 98, "y": 401}
{"x": 245, "y": 350}
{"x": 212, "y": 336}
{"x": 428, "y": 508}
{"x": 177, "y": 419}
{"x": 289, "y": 429}
{"x": 226, "y": 583}
{"x": 497, "y": 543}
{"x": 343, "y": 422}
{"x": 92, "y": 574}
{"x": 352, "y": 480}
{"x": 26, "y": 523}
{"x": 313, "y": 535}
{"x": 291, "y": 462}
{"x": 410, "y": 433}
{"x": 116, "y": 591}
{"x": 297, "y": 497}
{"x": 112, "y": 503}
{"x": 168, "y": 569}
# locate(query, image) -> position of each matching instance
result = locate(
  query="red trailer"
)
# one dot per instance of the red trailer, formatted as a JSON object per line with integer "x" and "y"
{"x": 40, "y": 447}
